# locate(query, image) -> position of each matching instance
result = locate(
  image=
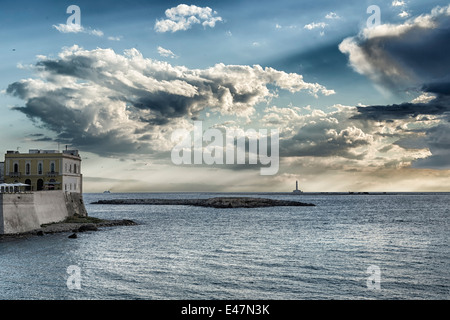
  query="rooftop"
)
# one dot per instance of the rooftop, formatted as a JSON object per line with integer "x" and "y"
{"x": 39, "y": 151}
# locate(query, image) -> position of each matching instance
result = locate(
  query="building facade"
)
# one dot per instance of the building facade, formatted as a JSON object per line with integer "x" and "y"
{"x": 44, "y": 170}
{"x": 2, "y": 170}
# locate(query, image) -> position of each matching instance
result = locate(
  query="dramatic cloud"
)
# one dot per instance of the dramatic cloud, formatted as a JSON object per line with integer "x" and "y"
{"x": 342, "y": 139}
{"x": 183, "y": 17}
{"x": 412, "y": 56}
{"x": 429, "y": 127}
{"x": 110, "y": 103}
{"x": 404, "y": 56}
{"x": 439, "y": 106}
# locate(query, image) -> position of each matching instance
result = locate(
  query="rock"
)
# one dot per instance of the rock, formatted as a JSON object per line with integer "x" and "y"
{"x": 40, "y": 233}
{"x": 87, "y": 227}
{"x": 127, "y": 222}
{"x": 73, "y": 236}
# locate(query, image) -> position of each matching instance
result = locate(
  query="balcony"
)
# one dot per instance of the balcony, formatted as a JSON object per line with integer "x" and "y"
{"x": 52, "y": 174}
{"x": 15, "y": 174}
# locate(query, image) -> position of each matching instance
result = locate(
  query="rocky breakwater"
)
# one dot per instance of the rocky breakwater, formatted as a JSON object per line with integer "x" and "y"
{"x": 218, "y": 202}
{"x": 74, "y": 224}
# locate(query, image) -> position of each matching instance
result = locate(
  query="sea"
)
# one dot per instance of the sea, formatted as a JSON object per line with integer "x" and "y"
{"x": 346, "y": 247}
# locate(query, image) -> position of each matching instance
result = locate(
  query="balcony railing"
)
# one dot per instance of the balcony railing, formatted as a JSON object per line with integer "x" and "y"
{"x": 52, "y": 174}
{"x": 15, "y": 174}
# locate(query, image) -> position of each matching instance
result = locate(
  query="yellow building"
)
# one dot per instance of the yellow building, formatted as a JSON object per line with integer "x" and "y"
{"x": 44, "y": 170}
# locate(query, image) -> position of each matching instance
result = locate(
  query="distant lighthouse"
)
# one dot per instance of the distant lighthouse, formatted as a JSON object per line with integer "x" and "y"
{"x": 296, "y": 191}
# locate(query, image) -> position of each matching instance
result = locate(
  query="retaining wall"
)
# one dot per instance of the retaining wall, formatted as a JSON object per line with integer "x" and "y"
{"x": 23, "y": 212}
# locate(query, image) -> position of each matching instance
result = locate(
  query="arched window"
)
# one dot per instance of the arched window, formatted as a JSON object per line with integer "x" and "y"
{"x": 40, "y": 185}
{"x": 27, "y": 168}
{"x": 40, "y": 168}
{"x": 28, "y": 187}
{"x": 74, "y": 168}
{"x": 52, "y": 167}
{"x": 16, "y": 167}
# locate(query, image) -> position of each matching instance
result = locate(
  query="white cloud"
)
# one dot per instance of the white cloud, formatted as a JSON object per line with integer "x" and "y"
{"x": 95, "y": 32}
{"x": 424, "y": 98}
{"x": 403, "y": 14}
{"x": 69, "y": 28}
{"x": 166, "y": 53}
{"x": 398, "y": 3}
{"x": 77, "y": 28}
{"x": 183, "y": 17}
{"x": 332, "y": 16}
{"x": 119, "y": 38}
{"x": 315, "y": 25}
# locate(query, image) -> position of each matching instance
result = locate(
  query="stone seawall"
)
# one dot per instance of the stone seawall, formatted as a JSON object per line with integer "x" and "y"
{"x": 23, "y": 212}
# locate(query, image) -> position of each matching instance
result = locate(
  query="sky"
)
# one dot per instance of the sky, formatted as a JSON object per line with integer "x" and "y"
{"x": 358, "y": 92}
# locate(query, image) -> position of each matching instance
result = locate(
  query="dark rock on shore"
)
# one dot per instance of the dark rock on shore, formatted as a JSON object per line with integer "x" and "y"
{"x": 219, "y": 202}
{"x": 87, "y": 227}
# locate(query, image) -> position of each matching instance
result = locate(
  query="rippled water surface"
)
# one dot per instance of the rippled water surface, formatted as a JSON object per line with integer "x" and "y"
{"x": 182, "y": 252}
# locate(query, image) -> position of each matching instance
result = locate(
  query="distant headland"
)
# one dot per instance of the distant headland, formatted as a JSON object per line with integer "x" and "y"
{"x": 218, "y": 202}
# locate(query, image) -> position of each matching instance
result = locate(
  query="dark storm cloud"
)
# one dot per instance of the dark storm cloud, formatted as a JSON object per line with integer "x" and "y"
{"x": 438, "y": 141}
{"x": 410, "y": 55}
{"x": 436, "y": 107}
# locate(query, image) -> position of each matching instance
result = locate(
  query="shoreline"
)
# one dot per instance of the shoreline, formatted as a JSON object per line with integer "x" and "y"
{"x": 66, "y": 226}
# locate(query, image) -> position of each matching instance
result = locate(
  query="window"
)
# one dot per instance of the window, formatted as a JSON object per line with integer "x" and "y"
{"x": 16, "y": 167}
{"x": 28, "y": 168}
{"x": 52, "y": 167}
{"x": 40, "y": 168}
{"x": 74, "y": 168}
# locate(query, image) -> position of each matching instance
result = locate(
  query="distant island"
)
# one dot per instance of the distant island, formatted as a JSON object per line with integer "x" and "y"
{"x": 218, "y": 202}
